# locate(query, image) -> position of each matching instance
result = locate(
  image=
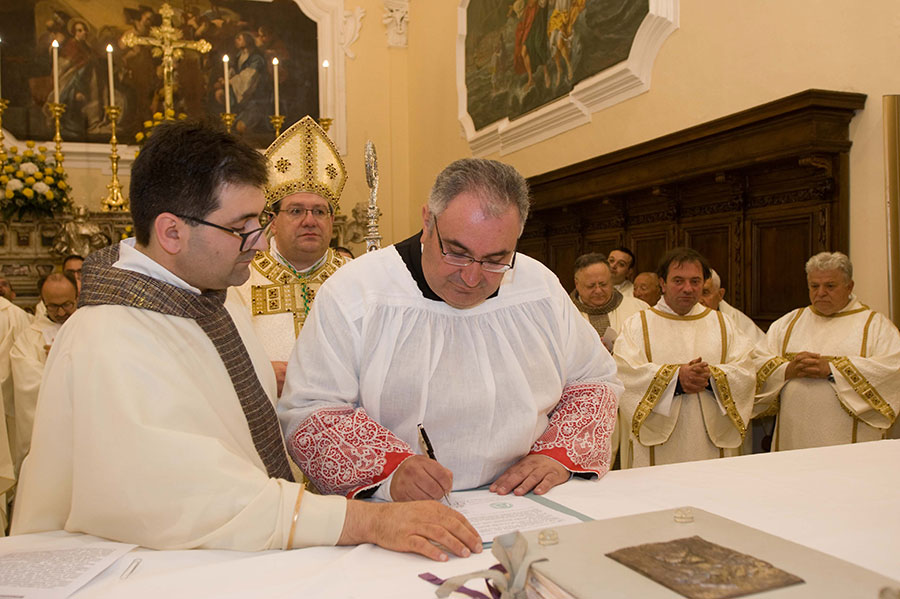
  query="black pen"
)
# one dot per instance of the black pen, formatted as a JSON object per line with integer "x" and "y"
{"x": 428, "y": 448}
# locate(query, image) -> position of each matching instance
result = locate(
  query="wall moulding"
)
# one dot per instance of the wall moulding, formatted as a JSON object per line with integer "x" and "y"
{"x": 615, "y": 84}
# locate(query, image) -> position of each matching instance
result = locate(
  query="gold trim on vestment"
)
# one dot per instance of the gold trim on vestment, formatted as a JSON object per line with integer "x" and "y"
{"x": 862, "y": 387}
{"x": 724, "y": 389}
{"x": 787, "y": 333}
{"x": 654, "y": 391}
{"x": 863, "y": 349}
{"x": 646, "y": 336}
{"x": 863, "y": 308}
{"x": 290, "y": 543}
{"x": 724, "y": 337}
{"x": 677, "y": 317}
{"x": 288, "y": 293}
{"x": 766, "y": 370}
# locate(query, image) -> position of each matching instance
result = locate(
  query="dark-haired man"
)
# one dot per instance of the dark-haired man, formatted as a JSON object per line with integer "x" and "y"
{"x": 687, "y": 370}
{"x": 59, "y": 293}
{"x": 168, "y": 438}
{"x": 621, "y": 263}
{"x": 452, "y": 329}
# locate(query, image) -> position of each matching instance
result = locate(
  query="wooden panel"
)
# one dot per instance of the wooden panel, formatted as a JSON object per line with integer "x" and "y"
{"x": 603, "y": 241}
{"x": 649, "y": 244}
{"x": 564, "y": 249}
{"x": 719, "y": 239}
{"x": 780, "y": 246}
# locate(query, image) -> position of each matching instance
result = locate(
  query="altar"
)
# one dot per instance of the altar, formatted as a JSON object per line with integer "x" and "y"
{"x": 839, "y": 500}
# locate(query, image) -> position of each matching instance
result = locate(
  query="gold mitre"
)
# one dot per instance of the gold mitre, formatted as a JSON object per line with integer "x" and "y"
{"x": 303, "y": 158}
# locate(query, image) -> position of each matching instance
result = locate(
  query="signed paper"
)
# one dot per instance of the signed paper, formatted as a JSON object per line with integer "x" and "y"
{"x": 493, "y": 515}
{"x": 42, "y": 573}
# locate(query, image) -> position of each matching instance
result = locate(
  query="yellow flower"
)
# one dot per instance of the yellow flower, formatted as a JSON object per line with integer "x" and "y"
{"x": 170, "y": 113}
{"x": 13, "y": 149}
{"x": 49, "y": 180}
{"x": 148, "y": 124}
{"x": 62, "y": 185}
{"x": 48, "y": 195}
{"x": 42, "y": 157}
{"x": 4, "y": 179}
{"x": 8, "y": 168}
{"x": 60, "y": 170}
{"x": 28, "y": 153}
{"x": 157, "y": 116}
{"x": 29, "y": 181}
{"x": 48, "y": 171}
{"x": 28, "y": 192}
{"x": 29, "y": 143}
{"x": 182, "y": 116}
{"x": 20, "y": 175}
{"x": 139, "y": 136}
{"x": 17, "y": 159}
{"x": 9, "y": 194}
{"x": 42, "y": 148}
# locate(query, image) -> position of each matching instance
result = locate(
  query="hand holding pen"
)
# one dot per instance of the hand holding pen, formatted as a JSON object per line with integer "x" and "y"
{"x": 421, "y": 477}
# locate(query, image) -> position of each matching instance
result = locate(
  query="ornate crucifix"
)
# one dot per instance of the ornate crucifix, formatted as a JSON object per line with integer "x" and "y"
{"x": 166, "y": 42}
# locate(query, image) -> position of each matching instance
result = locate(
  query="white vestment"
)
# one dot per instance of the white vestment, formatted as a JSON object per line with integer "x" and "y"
{"x": 13, "y": 321}
{"x": 139, "y": 437}
{"x": 626, "y": 288}
{"x": 665, "y": 427}
{"x": 743, "y": 322}
{"x": 278, "y": 301}
{"x": 520, "y": 373}
{"x": 863, "y": 349}
{"x": 27, "y": 358}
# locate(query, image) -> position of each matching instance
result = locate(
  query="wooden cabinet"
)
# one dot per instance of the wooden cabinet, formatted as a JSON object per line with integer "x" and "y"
{"x": 757, "y": 192}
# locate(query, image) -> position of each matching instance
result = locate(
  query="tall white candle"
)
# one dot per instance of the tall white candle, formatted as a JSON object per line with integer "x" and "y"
{"x": 227, "y": 85}
{"x": 55, "y": 46}
{"x": 275, "y": 74}
{"x": 325, "y": 66}
{"x": 112, "y": 85}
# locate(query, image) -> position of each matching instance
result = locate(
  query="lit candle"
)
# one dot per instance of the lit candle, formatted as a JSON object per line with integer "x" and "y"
{"x": 325, "y": 66}
{"x": 55, "y": 45}
{"x": 112, "y": 86}
{"x": 227, "y": 85}
{"x": 275, "y": 73}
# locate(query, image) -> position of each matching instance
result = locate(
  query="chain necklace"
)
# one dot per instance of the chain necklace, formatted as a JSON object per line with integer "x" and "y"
{"x": 302, "y": 277}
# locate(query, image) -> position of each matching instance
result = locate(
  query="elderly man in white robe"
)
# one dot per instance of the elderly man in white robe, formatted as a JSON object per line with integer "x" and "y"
{"x": 306, "y": 177}
{"x": 168, "y": 438}
{"x": 834, "y": 372}
{"x": 453, "y": 330}
{"x": 607, "y": 310}
{"x": 687, "y": 370}
{"x": 59, "y": 294}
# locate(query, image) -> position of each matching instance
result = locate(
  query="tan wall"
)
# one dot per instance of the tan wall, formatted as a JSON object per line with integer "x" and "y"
{"x": 726, "y": 56}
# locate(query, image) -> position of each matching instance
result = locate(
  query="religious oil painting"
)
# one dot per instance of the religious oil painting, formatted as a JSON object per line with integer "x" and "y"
{"x": 250, "y": 32}
{"x": 523, "y": 54}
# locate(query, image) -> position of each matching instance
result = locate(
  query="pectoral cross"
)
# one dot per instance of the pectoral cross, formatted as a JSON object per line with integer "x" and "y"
{"x": 166, "y": 41}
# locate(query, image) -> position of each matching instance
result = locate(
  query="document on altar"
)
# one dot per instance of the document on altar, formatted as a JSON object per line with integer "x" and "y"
{"x": 55, "y": 571}
{"x": 493, "y": 515}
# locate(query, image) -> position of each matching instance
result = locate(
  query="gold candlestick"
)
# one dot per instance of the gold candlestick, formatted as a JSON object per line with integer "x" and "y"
{"x": 3, "y": 105}
{"x": 325, "y": 123}
{"x": 57, "y": 110}
{"x": 277, "y": 121}
{"x": 228, "y": 119}
{"x": 114, "y": 200}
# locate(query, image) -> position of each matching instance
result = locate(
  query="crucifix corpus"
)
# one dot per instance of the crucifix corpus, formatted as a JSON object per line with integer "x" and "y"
{"x": 166, "y": 42}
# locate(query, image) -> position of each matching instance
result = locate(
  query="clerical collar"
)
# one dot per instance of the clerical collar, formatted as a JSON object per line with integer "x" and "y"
{"x": 410, "y": 251}
{"x": 273, "y": 249}
{"x": 614, "y": 301}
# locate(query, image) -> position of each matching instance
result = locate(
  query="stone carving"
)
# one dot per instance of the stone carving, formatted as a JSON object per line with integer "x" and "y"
{"x": 351, "y": 28}
{"x": 395, "y": 18}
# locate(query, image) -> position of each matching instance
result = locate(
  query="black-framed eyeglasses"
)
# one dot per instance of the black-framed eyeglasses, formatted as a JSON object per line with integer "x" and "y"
{"x": 248, "y": 239}
{"x": 53, "y": 308}
{"x": 462, "y": 260}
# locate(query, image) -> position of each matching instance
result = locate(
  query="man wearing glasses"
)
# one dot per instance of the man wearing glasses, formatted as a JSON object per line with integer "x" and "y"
{"x": 306, "y": 176}
{"x": 59, "y": 294}
{"x": 155, "y": 423}
{"x": 453, "y": 330}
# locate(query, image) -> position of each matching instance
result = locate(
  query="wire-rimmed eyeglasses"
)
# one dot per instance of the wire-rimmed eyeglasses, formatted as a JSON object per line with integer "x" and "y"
{"x": 463, "y": 260}
{"x": 248, "y": 239}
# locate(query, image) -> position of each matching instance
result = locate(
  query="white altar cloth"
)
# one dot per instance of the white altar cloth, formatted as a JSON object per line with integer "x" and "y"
{"x": 842, "y": 500}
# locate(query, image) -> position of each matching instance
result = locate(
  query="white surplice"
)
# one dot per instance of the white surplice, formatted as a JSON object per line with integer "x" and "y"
{"x": 27, "y": 358}
{"x": 743, "y": 322}
{"x": 139, "y": 437}
{"x": 522, "y": 372}
{"x": 863, "y": 349}
{"x": 665, "y": 427}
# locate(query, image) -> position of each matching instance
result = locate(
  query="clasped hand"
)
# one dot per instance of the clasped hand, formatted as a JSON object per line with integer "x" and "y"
{"x": 807, "y": 365}
{"x": 694, "y": 376}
